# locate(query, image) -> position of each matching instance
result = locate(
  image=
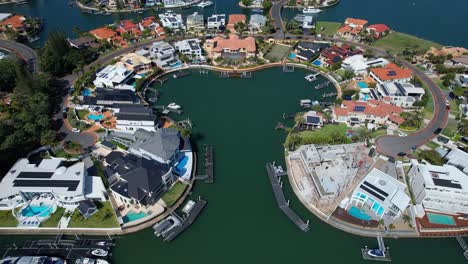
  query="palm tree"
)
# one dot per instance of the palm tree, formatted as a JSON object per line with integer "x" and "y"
{"x": 406, "y": 218}
{"x": 463, "y": 127}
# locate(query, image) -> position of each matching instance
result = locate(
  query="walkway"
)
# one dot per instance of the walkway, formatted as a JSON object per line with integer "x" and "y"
{"x": 22, "y": 51}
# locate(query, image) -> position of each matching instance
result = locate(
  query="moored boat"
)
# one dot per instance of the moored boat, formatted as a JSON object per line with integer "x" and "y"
{"x": 310, "y": 10}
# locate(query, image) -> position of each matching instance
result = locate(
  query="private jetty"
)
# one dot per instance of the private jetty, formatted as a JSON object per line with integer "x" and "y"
{"x": 463, "y": 245}
{"x": 172, "y": 226}
{"x": 381, "y": 253}
{"x": 72, "y": 249}
{"x": 273, "y": 173}
{"x": 209, "y": 166}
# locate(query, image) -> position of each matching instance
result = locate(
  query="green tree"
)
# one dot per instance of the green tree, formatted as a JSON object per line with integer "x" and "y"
{"x": 7, "y": 75}
{"x": 48, "y": 138}
{"x": 247, "y": 2}
{"x": 458, "y": 91}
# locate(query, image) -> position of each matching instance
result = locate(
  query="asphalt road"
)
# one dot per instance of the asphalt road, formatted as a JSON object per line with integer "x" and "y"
{"x": 22, "y": 51}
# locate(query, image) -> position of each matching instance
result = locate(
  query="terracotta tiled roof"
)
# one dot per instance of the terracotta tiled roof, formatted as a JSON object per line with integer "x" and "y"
{"x": 236, "y": 18}
{"x": 392, "y": 72}
{"x": 371, "y": 107}
{"x": 233, "y": 43}
{"x": 356, "y": 21}
{"x": 16, "y": 21}
{"x": 378, "y": 28}
{"x": 103, "y": 33}
{"x": 147, "y": 21}
{"x": 128, "y": 25}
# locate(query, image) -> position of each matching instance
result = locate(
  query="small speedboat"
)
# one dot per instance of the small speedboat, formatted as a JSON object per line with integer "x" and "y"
{"x": 376, "y": 253}
{"x": 204, "y": 4}
{"x": 101, "y": 243}
{"x": 299, "y": 18}
{"x": 310, "y": 10}
{"x": 257, "y": 10}
{"x": 100, "y": 252}
{"x": 173, "y": 106}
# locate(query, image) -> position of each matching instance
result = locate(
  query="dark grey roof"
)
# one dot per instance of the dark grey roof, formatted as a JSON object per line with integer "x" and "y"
{"x": 140, "y": 178}
{"x": 87, "y": 208}
{"x": 136, "y": 117}
{"x": 108, "y": 144}
{"x": 307, "y": 54}
{"x": 313, "y": 120}
{"x": 315, "y": 47}
{"x": 109, "y": 97}
{"x": 446, "y": 183}
{"x": 163, "y": 143}
{"x": 81, "y": 41}
{"x": 134, "y": 112}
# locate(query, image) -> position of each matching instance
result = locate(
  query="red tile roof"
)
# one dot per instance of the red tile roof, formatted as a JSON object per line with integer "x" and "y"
{"x": 15, "y": 22}
{"x": 234, "y": 43}
{"x": 103, "y": 33}
{"x": 352, "y": 26}
{"x": 371, "y": 107}
{"x": 128, "y": 25}
{"x": 147, "y": 21}
{"x": 378, "y": 28}
{"x": 356, "y": 21}
{"x": 392, "y": 72}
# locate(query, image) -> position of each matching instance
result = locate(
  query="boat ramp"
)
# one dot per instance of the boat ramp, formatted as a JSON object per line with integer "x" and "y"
{"x": 70, "y": 249}
{"x": 384, "y": 251}
{"x": 172, "y": 226}
{"x": 209, "y": 166}
{"x": 273, "y": 173}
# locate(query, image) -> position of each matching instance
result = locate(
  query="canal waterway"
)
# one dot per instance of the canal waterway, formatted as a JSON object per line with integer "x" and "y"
{"x": 430, "y": 19}
{"x": 242, "y": 223}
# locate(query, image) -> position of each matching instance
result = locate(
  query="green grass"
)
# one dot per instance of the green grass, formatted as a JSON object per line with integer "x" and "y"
{"x": 54, "y": 219}
{"x": 329, "y": 134}
{"x": 432, "y": 145}
{"x": 429, "y": 108}
{"x": 330, "y": 28}
{"x": 439, "y": 82}
{"x": 378, "y": 133}
{"x": 72, "y": 119}
{"x": 171, "y": 196}
{"x": 7, "y": 219}
{"x": 82, "y": 113}
{"x": 118, "y": 144}
{"x": 396, "y": 42}
{"x": 104, "y": 218}
{"x": 61, "y": 153}
{"x": 278, "y": 52}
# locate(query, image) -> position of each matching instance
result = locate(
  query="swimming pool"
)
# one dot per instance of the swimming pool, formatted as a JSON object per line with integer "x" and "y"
{"x": 41, "y": 211}
{"x": 441, "y": 219}
{"x": 362, "y": 85}
{"x": 86, "y": 92}
{"x": 317, "y": 62}
{"x": 95, "y": 117}
{"x": 176, "y": 65}
{"x": 292, "y": 56}
{"x": 359, "y": 214}
{"x": 180, "y": 167}
{"x": 132, "y": 216}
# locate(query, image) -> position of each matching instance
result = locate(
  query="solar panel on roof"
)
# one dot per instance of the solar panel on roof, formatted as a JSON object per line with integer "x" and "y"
{"x": 400, "y": 88}
{"x": 359, "y": 108}
{"x": 313, "y": 120}
{"x": 71, "y": 185}
{"x": 391, "y": 73}
{"x": 35, "y": 175}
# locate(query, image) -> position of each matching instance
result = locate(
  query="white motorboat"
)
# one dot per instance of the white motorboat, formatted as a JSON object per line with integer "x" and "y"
{"x": 91, "y": 261}
{"x": 102, "y": 243}
{"x": 311, "y": 10}
{"x": 257, "y": 10}
{"x": 100, "y": 252}
{"x": 376, "y": 253}
{"x": 173, "y": 106}
{"x": 204, "y": 4}
{"x": 300, "y": 18}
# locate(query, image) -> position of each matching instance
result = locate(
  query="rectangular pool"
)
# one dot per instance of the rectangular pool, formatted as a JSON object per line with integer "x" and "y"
{"x": 362, "y": 85}
{"x": 132, "y": 216}
{"x": 40, "y": 211}
{"x": 441, "y": 219}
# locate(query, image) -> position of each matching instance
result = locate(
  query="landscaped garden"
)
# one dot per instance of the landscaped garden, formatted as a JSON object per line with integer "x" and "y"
{"x": 171, "y": 196}
{"x": 329, "y": 28}
{"x": 104, "y": 218}
{"x": 74, "y": 121}
{"x": 7, "y": 219}
{"x": 54, "y": 218}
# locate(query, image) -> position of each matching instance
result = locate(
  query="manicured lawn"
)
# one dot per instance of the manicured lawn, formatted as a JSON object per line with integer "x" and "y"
{"x": 329, "y": 28}
{"x": 432, "y": 145}
{"x": 397, "y": 42}
{"x": 104, "y": 218}
{"x": 440, "y": 84}
{"x": 82, "y": 113}
{"x": 278, "y": 52}
{"x": 61, "y": 153}
{"x": 429, "y": 108}
{"x": 74, "y": 122}
{"x": 54, "y": 219}
{"x": 7, "y": 219}
{"x": 174, "y": 194}
{"x": 118, "y": 144}
{"x": 329, "y": 134}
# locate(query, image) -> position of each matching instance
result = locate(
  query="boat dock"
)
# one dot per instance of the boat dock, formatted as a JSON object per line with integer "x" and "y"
{"x": 312, "y": 77}
{"x": 273, "y": 174}
{"x": 181, "y": 74}
{"x": 322, "y": 85}
{"x": 166, "y": 110}
{"x": 69, "y": 249}
{"x": 384, "y": 250}
{"x": 463, "y": 245}
{"x": 209, "y": 166}
{"x": 169, "y": 233}
{"x": 326, "y": 95}
{"x": 242, "y": 75}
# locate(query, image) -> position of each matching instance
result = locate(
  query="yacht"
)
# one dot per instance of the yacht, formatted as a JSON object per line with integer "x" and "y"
{"x": 173, "y": 106}
{"x": 376, "y": 253}
{"x": 310, "y": 10}
{"x": 99, "y": 252}
{"x": 204, "y": 4}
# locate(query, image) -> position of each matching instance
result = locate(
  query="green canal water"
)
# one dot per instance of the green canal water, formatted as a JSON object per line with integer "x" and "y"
{"x": 241, "y": 223}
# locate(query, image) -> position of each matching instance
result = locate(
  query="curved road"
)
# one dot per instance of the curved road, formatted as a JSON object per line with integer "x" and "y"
{"x": 24, "y": 52}
{"x": 388, "y": 145}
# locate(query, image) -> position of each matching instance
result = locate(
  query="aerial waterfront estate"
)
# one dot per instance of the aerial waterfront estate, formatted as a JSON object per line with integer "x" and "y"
{"x": 110, "y": 130}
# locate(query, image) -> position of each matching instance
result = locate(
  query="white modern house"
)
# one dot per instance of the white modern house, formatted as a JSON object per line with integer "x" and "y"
{"x": 131, "y": 117}
{"x": 216, "y": 20}
{"x": 195, "y": 22}
{"x": 113, "y": 76}
{"x": 439, "y": 188}
{"x": 359, "y": 65}
{"x": 190, "y": 48}
{"x": 458, "y": 158}
{"x": 171, "y": 20}
{"x": 402, "y": 94}
{"x": 162, "y": 54}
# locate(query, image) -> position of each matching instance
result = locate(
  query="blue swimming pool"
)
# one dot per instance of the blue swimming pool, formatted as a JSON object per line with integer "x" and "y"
{"x": 441, "y": 219}
{"x": 359, "y": 214}
{"x": 317, "y": 62}
{"x": 41, "y": 211}
{"x": 86, "y": 92}
{"x": 292, "y": 56}
{"x": 362, "y": 85}
{"x": 95, "y": 117}
{"x": 176, "y": 65}
{"x": 132, "y": 216}
{"x": 180, "y": 167}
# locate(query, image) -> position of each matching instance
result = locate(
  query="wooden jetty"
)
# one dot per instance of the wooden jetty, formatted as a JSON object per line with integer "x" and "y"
{"x": 186, "y": 222}
{"x": 463, "y": 245}
{"x": 69, "y": 249}
{"x": 209, "y": 166}
{"x": 276, "y": 185}
{"x": 382, "y": 248}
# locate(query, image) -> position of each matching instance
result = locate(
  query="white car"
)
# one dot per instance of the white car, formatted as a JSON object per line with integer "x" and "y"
{"x": 76, "y": 130}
